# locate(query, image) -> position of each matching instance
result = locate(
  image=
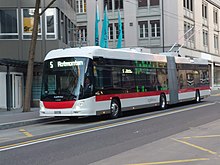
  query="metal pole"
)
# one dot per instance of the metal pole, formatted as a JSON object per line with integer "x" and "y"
{"x": 186, "y": 41}
{"x": 181, "y": 38}
{"x": 8, "y": 87}
{"x": 163, "y": 24}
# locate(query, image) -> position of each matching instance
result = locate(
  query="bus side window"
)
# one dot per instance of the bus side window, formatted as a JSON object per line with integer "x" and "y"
{"x": 103, "y": 78}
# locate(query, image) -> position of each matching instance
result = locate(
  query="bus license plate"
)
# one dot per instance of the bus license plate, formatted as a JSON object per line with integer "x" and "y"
{"x": 57, "y": 112}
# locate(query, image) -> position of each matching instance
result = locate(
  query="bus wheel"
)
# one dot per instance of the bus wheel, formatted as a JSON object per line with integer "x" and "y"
{"x": 163, "y": 103}
{"x": 198, "y": 99}
{"x": 115, "y": 109}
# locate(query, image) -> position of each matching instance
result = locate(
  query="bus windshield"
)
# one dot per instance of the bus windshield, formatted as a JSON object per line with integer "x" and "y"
{"x": 63, "y": 78}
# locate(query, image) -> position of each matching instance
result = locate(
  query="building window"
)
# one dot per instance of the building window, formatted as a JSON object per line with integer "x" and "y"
{"x": 155, "y": 28}
{"x": 108, "y": 3}
{"x": 204, "y": 10}
{"x": 154, "y": 2}
{"x": 118, "y": 4}
{"x": 142, "y": 3}
{"x": 205, "y": 38}
{"x": 111, "y": 33}
{"x": 50, "y": 22}
{"x": 82, "y": 34}
{"x": 143, "y": 29}
{"x": 216, "y": 42}
{"x": 188, "y": 4}
{"x": 189, "y": 32}
{"x": 116, "y": 29}
{"x": 215, "y": 16}
{"x": 8, "y": 24}
{"x": 28, "y": 24}
{"x": 81, "y": 6}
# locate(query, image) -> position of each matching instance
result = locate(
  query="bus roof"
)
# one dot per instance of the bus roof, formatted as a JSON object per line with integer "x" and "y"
{"x": 123, "y": 54}
{"x": 71, "y": 52}
{"x": 96, "y": 51}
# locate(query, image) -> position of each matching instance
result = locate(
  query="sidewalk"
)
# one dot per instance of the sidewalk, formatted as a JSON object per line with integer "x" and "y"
{"x": 16, "y": 118}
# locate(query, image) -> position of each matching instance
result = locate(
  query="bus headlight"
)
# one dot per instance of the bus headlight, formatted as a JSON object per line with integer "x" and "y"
{"x": 79, "y": 105}
{"x": 41, "y": 105}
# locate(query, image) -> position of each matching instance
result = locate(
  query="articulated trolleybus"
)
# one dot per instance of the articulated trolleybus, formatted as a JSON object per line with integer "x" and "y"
{"x": 90, "y": 81}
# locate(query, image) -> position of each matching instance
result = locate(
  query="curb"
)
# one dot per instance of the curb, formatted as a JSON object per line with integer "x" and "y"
{"x": 26, "y": 122}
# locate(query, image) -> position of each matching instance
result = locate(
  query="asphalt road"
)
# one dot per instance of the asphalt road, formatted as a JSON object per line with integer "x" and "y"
{"x": 98, "y": 141}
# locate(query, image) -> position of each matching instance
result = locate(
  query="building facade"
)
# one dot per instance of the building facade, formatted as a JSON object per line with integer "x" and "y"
{"x": 190, "y": 27}
{"x": 56, "y": 30}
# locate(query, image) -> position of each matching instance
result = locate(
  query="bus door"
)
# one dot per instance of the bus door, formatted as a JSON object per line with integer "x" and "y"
{"x": 172, "y": 80}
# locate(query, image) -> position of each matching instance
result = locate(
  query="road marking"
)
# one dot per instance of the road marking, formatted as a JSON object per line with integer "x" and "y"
{"x": 55, "y": 137}
{"x": 173, "y": 161}
{"x": 200, "y": 137}
{"x": 196, "y": 146}
{"x": 28, "y": 134}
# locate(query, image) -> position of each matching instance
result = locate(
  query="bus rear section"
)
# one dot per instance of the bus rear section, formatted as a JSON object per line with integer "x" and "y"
{"x": 193, "y": 79}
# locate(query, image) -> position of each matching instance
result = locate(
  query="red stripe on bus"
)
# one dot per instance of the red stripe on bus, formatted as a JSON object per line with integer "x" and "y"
{"x": 129, "y": 95}
{"x": 144, "y": 94}
{"x": 193, "y": 89}
{"x": 58, "y": 105}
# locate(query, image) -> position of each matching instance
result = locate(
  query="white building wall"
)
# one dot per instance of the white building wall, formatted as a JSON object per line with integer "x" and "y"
{"x": 91, "y": 9}
{"x": 198, "y": 25}
{"x": 130, "y": 24}
{"x": 173, "y": 27}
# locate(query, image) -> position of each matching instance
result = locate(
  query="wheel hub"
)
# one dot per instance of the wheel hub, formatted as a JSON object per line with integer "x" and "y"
{"x": 114, "y": 109}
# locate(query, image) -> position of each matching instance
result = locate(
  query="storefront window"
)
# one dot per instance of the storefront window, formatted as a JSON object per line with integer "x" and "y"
{"x": 28, "y": 23}
{"x": 8, "y": 24}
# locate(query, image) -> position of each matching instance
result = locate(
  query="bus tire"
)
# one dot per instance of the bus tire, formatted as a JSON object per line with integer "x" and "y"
{"x": 163, "y": 102}
{"x": 115, "y": 109}
{"x": 197, "y": 98}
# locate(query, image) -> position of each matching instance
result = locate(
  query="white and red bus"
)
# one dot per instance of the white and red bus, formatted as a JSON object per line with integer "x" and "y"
{"x": 91, "y": 80}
